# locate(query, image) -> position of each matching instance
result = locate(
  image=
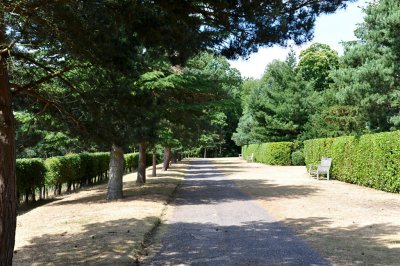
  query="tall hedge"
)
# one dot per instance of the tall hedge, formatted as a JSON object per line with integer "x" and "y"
{"x": 35, "y": 174}
{"x": 131, "y": 161}
{"x": 371, "y": 160}
{"x": 274, "y": 153}
{"x": 30, "y": 176}
{"x": 72, "y": 169}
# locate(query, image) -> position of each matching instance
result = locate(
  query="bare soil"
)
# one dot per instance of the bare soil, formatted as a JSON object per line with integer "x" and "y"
{"x": 84, "y": 228}
{"x": 348, "y": 224}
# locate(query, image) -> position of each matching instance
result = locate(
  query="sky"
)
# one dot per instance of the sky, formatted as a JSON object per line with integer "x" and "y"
{"x": 329, "y": 29}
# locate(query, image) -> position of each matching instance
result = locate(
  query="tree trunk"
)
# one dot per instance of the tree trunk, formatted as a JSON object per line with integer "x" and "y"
{"x": 59, "y": 189}
{"x": 205, "y": 152}
{"x": 141, "y": 173}
{"x": 167, "y": 157}
{"x": 8, "y": 192}
{"x": 114, "y": 190}
{"x": 154, "y": 172}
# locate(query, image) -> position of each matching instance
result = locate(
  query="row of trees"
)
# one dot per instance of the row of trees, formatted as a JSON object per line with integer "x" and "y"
{"x": 111, "y": 69}
{"x": 324, "y": 95}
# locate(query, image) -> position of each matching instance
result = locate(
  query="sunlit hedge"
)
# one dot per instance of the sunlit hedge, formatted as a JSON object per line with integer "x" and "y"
{"x": 34, "y": 175}
{"x": 131, "y": 161}
{"x": 370, "y": 160}
{"x": 274, "y": 153}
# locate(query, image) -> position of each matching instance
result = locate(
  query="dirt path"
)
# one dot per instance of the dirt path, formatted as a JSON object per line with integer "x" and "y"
{"x": 83, "y": 228}
{"x": 348, "y": 224}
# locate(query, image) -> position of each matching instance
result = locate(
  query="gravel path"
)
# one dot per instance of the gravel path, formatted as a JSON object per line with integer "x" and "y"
{"x": 214, "y": 223}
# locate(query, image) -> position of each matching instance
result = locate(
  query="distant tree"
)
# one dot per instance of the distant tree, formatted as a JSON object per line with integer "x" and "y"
{"x": 42, "y": 135}
{"x": 242, "y": 135}
{"x": 278, "y": 105}
{"x": 316, "y": 63}
{"x": 366, "y": 87}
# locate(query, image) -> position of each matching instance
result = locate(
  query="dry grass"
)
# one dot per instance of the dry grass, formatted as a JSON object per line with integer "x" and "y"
{"x": 349, "y": 224}
{"x": 84, "y": 228}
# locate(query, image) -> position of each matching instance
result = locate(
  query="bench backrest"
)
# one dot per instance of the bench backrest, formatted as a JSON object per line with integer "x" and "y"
{"x": 326, "y": 162}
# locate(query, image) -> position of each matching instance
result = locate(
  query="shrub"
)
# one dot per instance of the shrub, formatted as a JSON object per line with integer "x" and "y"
{"x": 298, "y": 158}
{"x": 63, "y": 169}
{"x": 274, "y": 153}
{"x": 30, "y": 176}
{"x": 371, "y": 160}
{"x": 131, "y": 161}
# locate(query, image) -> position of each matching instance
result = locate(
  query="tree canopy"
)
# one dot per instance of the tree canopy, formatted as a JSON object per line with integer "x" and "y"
{"x": 325, "y": 95}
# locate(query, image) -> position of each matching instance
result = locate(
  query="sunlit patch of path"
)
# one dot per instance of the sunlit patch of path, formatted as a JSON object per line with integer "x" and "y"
{"x": 214, "y": 223}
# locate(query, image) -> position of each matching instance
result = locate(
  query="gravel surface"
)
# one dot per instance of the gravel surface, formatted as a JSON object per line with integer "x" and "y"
{"x": 215, "y": 223}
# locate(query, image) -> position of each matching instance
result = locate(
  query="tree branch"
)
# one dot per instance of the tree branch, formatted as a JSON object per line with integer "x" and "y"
{"x": 57, "y": 106}
{"x": 32, "y": 85}
{"x": 48, "y": 69}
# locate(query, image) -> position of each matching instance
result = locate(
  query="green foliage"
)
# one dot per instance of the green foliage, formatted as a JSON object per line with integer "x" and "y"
{"x": 63, "y": 169}
{"x": 33, "y": 174}
{"x": 131, "y": 161}
{"x": 371, "y": 160}
{"x": 44, "y": 136}
{"x": 276, "y": 108}
{"x": 367, "y": 83}
{"x": 30, "y": 175}
{"x": 75, "y": 168}
{"x": 298, "y": 158}
{"x": 316, "y": 64}
{"x": 273, "y": 153}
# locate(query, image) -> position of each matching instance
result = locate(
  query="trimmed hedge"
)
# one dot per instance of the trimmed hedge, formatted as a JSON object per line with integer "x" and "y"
{"x": 35, "y": 174}
{"x": 131, "y": 161}
{"x": 298, "y": 158}
{"x": 274, "y": 153}
{"x": 85, "y": 168}
{"x": 31, "y": 176}
{"x": 76, "y": 168}
{"x": 371, "y": 160}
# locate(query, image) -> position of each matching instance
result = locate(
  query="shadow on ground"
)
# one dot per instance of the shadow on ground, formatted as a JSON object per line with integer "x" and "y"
{"x": 97, "y": 244}
{"x": 207, "y": 186}
{"x": 25, "y": 208}
{"x": 113, "y": 243}
{"x": 350, "y": 245}
{"x": 212, "y": 244}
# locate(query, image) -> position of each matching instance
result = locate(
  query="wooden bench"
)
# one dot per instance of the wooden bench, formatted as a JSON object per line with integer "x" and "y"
{"x": 322, "y": 168}
{"x": 249, "y": 159}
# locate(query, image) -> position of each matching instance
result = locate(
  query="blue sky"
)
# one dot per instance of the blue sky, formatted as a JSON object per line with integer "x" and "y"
{"x": 329, "y": 29}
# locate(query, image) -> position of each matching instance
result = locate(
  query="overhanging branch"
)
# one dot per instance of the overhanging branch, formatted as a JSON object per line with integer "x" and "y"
{"x": 57, "y": 106}
{"x": 35, "y": 84}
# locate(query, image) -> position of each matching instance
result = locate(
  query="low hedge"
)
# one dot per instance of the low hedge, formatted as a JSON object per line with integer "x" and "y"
{"x": 274, "y": 153}
{"x": 371, "y": 160}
